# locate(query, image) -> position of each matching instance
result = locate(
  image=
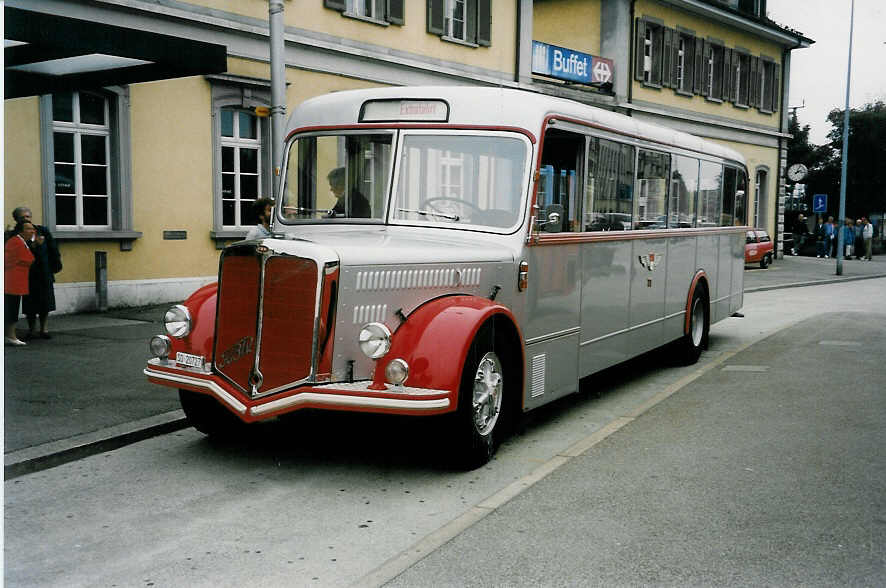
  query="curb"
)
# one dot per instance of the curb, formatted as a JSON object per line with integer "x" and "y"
{"x": 55, "y": 453}
{"x": 813, "y": 283}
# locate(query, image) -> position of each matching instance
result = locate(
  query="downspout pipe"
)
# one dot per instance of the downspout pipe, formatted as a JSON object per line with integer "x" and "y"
{"x": 278, "y": 88}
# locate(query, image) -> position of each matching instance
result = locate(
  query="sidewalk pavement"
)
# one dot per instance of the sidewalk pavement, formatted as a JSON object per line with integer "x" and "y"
{"x": 83, "y": 392}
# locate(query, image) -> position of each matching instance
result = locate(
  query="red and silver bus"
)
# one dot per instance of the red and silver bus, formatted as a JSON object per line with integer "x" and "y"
{"x": 460, "y": 251}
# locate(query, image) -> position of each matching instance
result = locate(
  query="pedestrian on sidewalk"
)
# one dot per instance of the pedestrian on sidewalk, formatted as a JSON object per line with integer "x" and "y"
{"x": 801, "y": 235}
{"x": 848, "y": 238}
{"x": 262, "y": 210}
{"x": 820, "y": 238}
{"x": 868, "y": 234}
{"x": 831, "y": 232}
{"x": 859, "y": 239}
{"x": 40, "y": 300}
{"x": 17, "y": 260}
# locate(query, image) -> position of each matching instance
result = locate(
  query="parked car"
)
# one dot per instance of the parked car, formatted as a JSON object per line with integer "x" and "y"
{"x": 758, "y": 248}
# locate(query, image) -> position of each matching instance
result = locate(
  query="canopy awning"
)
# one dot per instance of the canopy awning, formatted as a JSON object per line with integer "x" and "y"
{"x": 47, "y": 53}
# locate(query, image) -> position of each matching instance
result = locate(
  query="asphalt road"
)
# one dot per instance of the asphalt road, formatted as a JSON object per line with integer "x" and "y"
{"x": 766, "y": 471}
{"x": 759, "y": 465}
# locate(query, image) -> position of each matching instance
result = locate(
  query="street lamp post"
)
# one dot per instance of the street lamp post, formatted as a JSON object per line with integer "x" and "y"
{"x": 278, "y": 87}
{"x": 845, "y": 156}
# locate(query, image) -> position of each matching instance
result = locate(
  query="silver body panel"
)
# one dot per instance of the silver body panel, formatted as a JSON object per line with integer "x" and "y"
{"x": 592, "y": 302}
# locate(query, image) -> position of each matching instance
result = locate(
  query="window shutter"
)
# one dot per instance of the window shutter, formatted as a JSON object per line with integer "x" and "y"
{"x": 640, "y": 50}
{"x": 699, "y": 66}
{"x": 471, "y": 21}
{"x": 667, "y": 58}
{"x": 484, "y": 23}
{"x": 335, "y": 4}
{"x": 435, "y": 17}
{"x": 395, "y": 12}
{"x": 657, "y": 38}
{"x": 754, "y": 83}
{"x": 727, "y": 77}
{"x": 688, "y": 64}
{"x": 776, "y": 89}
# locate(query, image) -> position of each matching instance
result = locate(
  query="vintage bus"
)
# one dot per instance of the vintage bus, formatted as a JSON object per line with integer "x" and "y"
{"x": 460, "y": 251}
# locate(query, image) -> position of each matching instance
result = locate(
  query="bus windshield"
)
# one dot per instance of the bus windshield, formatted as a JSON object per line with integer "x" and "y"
{"x": 337, "y": 177}
{"x": 464, "y": 181}
{"x": 461, "y": 181}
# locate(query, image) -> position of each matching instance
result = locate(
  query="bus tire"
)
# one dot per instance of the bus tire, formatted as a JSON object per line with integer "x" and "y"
{"x": 479, "y": 418}
{"x": 205, "y": 414}
{"x": 696, "y": 338}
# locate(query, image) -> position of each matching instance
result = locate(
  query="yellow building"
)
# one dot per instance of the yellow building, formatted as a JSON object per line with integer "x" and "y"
{"x": 155, "y": 158}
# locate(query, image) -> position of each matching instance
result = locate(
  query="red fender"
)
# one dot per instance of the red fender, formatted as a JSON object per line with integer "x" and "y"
{"x": 201, "y": 304}
{"x": 435, "y": 340}
{"x": 699, "y": 276}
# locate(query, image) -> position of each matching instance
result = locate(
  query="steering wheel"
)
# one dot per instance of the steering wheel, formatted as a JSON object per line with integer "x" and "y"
{"x": 458, "y": 201}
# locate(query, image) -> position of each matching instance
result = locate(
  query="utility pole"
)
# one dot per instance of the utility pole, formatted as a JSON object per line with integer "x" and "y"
{"x": 845, "y": 156}
{"x": 278, "y": 87}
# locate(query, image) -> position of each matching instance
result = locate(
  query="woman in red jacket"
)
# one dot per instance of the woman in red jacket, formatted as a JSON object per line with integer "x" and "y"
{"x": 17, "y": 261}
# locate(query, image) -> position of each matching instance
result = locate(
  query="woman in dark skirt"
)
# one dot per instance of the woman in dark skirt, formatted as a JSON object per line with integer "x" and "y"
{"x": 40, "y": 300}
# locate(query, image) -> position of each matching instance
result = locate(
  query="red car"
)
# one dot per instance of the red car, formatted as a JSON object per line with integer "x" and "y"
{"x": 758, "y": 248}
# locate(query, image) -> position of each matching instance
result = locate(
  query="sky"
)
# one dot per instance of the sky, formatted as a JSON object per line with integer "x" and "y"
{"x": 818, "y": 74}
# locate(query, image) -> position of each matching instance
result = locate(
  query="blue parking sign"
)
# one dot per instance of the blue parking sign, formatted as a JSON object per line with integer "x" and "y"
{"x": 820, "y": 203}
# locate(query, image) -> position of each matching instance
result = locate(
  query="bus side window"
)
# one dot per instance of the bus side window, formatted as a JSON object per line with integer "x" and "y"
{"x": 684, "y": 184}
{"x": 741, "y": 199}
{"x": 559, "y": 178}
{"x": 709, "y": 183}
{"x": 609, "y": 194}
{"x": 727, "y": 217}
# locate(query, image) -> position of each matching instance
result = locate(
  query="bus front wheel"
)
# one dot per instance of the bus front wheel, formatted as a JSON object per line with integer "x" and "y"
{"x": 481, "y": 395}
{"x": 209, "y": 417}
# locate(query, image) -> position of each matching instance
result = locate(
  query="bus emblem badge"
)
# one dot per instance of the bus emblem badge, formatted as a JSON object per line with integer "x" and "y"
{"x": 648, "y": 261}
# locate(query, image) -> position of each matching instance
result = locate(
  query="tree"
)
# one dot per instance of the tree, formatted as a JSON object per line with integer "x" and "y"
{"x": 866, "y": 174}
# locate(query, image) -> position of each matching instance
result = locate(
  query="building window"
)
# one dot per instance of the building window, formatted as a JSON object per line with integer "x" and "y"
{"x": 760, "y": 198}
{"x": 650, "y": 52}
{"x": 378, "y": 11}
{"x": 714, "y": 62}
{"x": 241, "y": 158}
{"x": 81, "y": 160}
{"x": 241, "y": 153}
{"x": 463, "y": 21}
{"x": 684, "y": 62}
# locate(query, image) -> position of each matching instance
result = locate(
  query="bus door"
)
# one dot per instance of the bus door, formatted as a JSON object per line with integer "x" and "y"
{"x": 551, "y": 328}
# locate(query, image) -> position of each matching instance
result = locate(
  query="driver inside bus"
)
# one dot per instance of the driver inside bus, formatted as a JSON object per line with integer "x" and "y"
{"x": 354, "y": 205}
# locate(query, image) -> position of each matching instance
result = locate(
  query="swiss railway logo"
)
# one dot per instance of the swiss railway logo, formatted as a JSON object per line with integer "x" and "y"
{"x": 649, "y": 261}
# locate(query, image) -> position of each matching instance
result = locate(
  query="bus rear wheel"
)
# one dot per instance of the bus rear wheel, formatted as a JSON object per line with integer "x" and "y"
{"x": 696, "y": 338}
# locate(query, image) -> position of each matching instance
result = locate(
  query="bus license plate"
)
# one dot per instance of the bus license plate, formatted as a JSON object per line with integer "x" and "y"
{"x": 189, "y": 360}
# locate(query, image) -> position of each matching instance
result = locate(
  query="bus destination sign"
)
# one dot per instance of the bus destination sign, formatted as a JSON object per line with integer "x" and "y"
{"x": 566, "y": 64}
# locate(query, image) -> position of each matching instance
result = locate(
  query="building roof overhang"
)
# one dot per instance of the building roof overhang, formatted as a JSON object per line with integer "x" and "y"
{"x": 762, "y": 27}
{"x": 47, "y": 53}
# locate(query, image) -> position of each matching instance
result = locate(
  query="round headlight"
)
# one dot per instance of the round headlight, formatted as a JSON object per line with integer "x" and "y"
{"x": 160, "y": 346}
{"x": 375, "y": 340}
{"x": 397, "y": 371}
{"x": 177, "y": 321}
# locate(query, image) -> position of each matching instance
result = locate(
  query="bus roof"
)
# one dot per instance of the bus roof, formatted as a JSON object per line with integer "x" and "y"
{"x": 493, "y": 107}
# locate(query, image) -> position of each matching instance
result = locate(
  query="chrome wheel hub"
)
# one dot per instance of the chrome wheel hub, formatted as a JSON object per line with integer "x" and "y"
{"x": 696, "y": 323}
{"x": 488, "y": 385}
